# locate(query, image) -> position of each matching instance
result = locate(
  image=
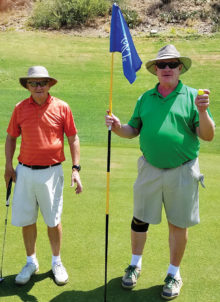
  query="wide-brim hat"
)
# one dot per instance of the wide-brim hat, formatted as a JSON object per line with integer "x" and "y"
{"x": 37, "y": 72}
{"x": 169, "y": 52}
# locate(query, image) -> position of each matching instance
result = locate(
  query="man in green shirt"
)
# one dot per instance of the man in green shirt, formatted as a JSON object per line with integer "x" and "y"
{"x": 170, "y": 119}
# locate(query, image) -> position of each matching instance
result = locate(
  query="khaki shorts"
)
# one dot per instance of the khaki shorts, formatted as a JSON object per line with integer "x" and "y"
{"x": 176, "y": 188}
{"x": 38, "y": 189}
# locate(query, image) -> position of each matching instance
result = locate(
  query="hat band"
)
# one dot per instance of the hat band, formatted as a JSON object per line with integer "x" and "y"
{"x": 38, "y": 76}
{"x": 167, "y": 56}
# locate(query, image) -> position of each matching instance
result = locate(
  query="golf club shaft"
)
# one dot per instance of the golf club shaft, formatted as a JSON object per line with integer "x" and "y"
{"x": 3, "y": 245}
{"x": 8, "y": 193}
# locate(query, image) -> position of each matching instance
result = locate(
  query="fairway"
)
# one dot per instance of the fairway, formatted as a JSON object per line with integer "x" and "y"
{"x": 82, "y": 67}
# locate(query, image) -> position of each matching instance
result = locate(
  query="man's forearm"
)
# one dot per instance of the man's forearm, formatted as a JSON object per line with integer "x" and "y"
{"x": 10, "y": 146}
{"x": 126, "y": 131}
{"x": 74, "y": 149}
{"x": 206, "y": 127}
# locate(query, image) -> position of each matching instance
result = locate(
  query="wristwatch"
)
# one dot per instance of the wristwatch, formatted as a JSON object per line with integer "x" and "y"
{"x": 77, "y": 167}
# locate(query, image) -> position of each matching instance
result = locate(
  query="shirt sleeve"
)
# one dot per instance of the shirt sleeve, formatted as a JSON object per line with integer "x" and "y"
{"x": 13, "y": 127}
{"x": 135, "y": 120}
{"x": 69, "y": 124}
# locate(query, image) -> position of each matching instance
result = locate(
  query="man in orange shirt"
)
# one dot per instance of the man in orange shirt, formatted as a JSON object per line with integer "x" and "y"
{"x": 41, "y": 120}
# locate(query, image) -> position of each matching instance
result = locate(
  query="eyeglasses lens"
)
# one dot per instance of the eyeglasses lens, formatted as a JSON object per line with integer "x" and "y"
{"x": 172, "y": 65}
{"x": 35, "y": 84}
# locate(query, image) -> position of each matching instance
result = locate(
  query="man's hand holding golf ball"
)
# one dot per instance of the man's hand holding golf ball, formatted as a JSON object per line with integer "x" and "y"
{"x": 206, "y": 125}
{"x": 202, "y": 100}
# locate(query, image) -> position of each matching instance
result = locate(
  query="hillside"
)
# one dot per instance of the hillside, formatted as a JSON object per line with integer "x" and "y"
{"x": 162, "y": 16}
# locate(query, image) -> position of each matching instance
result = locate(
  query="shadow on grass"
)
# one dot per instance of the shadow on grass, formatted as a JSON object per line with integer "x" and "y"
{"x": 9, "y": 288}
{"x": 114, "y": 293}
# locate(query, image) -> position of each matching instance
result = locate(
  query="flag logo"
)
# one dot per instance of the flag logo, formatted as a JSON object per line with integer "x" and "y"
{"x": 125, "y": 49}
{"x": 121, "y": 41}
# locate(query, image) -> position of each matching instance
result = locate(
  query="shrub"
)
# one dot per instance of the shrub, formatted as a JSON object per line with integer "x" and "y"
{"x": 174, "y": 16}
{"x": 66, "y": 13}
{"x": 216, "y": 14}
{"x": 131, "y": 17}
{"x": 166, "y": 1}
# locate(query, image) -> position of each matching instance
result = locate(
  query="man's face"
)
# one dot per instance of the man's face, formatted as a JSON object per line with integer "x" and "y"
{"x": 167, "y": 75}
{"x": 38, "y": 88}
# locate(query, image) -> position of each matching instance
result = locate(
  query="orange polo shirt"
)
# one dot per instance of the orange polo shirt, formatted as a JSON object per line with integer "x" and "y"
{"x": 42, "y": 130}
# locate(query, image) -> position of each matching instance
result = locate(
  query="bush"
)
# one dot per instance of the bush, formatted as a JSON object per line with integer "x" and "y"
{"x": 56, "y": 14}
{"x": 131, "y": 17}
{"x": 174, "y": 16}
{"x": 166, "y": 1}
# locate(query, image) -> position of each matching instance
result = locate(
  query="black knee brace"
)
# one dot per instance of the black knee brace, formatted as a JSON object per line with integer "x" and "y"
{"x": 138, "y": 225}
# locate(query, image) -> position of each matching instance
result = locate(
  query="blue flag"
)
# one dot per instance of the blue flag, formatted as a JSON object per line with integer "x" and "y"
{"x": 121, "y": 41}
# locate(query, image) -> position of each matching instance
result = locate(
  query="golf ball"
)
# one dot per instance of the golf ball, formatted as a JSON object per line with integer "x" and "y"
{"x": 200, "y": 92}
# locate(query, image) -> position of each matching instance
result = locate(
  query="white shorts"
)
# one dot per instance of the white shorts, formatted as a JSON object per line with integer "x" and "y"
{"x": 38, "y": 188}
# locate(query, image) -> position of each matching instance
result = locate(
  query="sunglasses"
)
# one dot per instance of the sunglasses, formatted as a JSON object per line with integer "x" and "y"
{"x": 35, "y": 83}
{"x": 163, "y": 65}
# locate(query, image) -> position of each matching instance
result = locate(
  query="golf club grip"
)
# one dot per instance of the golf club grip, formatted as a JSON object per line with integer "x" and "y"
{"x": 8, "y": 193}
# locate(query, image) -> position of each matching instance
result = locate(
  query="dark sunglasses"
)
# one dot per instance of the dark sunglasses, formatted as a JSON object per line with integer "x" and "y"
{"x": 172, "y": 65}
{"x": 35, "y": 83}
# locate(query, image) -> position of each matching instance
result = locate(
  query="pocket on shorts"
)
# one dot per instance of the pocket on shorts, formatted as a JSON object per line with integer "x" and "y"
{"x": 60, "y": 170}
{"x": 18, "y": 167}
{"x": 193, "y": 166}
{"x": 61, "y": 175}
{"x": 140, "y": 164}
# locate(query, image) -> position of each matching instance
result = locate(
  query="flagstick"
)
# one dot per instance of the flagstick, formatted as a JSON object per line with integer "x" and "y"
{"x": 108, "y": 179}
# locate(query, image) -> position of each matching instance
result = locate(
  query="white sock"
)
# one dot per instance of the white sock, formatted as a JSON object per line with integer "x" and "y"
{"x": 174, "y": 271}
{"x": 56, "y": 260}
{"x": 32, "y": 259}
{"x": 136, "y": 260}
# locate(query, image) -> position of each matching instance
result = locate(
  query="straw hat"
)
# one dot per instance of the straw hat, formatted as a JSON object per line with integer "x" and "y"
{"x": 169, "y": 52}
{"x": 37, "y": 72}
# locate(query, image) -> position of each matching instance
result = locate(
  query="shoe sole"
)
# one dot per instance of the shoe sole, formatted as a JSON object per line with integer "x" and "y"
{"x": 61, "y": 283}
{"x": 130, "y": 286}
{"x": 23, "y": 283}
{"x": 171, "y": 297}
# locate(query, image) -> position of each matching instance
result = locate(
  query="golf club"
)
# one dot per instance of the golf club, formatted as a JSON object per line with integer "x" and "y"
{"x": 8, "y": 193}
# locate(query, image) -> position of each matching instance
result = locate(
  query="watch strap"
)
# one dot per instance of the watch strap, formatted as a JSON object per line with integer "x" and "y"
{"x": 77, "y": 167}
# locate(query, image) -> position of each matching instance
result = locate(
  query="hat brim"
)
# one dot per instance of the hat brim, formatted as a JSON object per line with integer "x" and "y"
{"x": 23, "y": 81}
{"x": 185, "y": 61}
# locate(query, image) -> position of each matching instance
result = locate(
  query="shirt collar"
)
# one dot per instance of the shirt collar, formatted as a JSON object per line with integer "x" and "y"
{"x": 48, "y": 100}
{"x": 178, "y": 90}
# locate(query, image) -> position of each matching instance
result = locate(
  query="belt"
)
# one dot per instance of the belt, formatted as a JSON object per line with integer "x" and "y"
{"x": 177, "y": 166}
{"x": 39, "y": 167}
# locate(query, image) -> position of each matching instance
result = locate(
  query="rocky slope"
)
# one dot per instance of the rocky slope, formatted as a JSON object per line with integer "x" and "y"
{"x": 161, "y": 16}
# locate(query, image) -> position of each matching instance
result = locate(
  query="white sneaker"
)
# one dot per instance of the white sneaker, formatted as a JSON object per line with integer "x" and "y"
{"x": 172, "y": 287}
{"x": 25, "y": 274}
{"x": 60, "y": 274}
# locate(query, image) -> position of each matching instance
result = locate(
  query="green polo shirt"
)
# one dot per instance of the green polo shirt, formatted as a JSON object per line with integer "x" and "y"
{"x": 167, "y": 126}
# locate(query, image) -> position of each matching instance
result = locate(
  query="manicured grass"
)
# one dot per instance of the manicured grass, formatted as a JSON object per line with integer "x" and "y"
{"x": 84, "y": 235}
{"x": 81, "y": 66}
